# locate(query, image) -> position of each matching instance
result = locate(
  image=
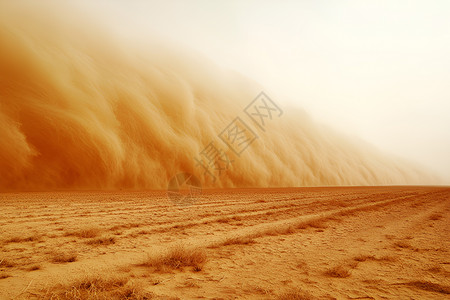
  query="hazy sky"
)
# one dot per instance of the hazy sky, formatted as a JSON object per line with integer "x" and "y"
{"x": 379, "y": 70}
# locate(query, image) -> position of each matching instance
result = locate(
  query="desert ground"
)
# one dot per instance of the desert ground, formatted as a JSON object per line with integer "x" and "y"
{"x": 292, "y": 243}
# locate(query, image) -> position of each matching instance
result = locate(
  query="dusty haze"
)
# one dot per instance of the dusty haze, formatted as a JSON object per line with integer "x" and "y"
{"x": 81, "y": 108}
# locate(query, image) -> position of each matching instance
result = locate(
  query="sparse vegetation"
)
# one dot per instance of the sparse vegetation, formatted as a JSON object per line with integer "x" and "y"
{"x": 24, "y": 238}
{"x": 295, "y": 294}
{"x": 269, "y": 244}
{"x": 403, "y": 245}
{"x": 34, "y": 267}
{"x": 261, "y": 290}
{"x": 361, "y": 258}
{"x": 197, "y": 268}
{"x": 190, "y": 284}
{"x": 102, "y": 241}
{"x": 88, "y": 232}
{"x": 155, "y": 281}
{"x": 338, "y": 272}
{"x": 177, "y": 257}
{"x": 243, "y": 240}
{"x": 5, "y": 263}
{"x": 64, "y": 257}
{"x": 320, "y": 223}
{"x": 99, "y": 287}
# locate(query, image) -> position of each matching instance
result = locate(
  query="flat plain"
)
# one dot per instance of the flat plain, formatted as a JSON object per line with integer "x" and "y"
{"x": 287, "y": 243}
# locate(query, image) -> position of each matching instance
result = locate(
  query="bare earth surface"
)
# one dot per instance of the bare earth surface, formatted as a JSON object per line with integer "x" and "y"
{"x": 309, "y": 243}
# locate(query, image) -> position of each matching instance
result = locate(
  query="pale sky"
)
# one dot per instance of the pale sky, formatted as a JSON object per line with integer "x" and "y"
{"x": 379, "y": 70}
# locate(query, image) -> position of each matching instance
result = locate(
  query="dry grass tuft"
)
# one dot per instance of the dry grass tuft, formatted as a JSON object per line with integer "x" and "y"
{"x": 362, "y": 257}
{"x": 295, "y": 294}
{"x": 338, "y": 272}
{"x": 316, "y": 223}
{"x": 34, "y": 267}
{"x": 64, "y": 257}
{"x": 403, "y": 245}
{"x": 99, "y": 287}
{"x": 88, "y": 232}
{"x": 240, "y": 240}
{"x": 197, "y": 268}
{"x": 189, "y": 283}
{"x": 177, "y": 258}
{"x": 288, "y": 229}
{"x": 102, "y": 241}
{"x": 5, "y": 263}
{"x": 20, "y": 238}
{"x": 4, "y": 275}
{"x": 261, "y": 290}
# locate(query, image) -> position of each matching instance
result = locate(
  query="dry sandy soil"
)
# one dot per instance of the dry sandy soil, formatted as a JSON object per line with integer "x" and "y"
{"x": 296, "y": 243}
